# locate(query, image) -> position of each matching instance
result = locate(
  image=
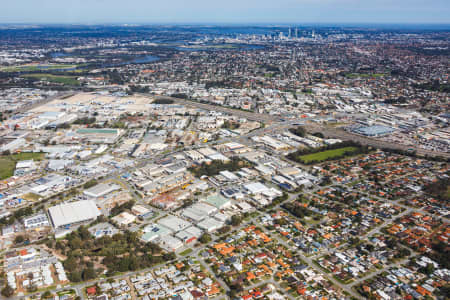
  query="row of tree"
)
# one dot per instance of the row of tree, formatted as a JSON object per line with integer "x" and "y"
{"x": 216, "y": 166}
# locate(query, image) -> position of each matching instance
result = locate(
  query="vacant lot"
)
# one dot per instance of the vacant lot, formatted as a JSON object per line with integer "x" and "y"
{"x": 329, "y": 154}
{"x": 8, "y": 162}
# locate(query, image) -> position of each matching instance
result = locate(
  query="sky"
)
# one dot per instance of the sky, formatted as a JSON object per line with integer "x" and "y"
{"x": 225, "y": 11}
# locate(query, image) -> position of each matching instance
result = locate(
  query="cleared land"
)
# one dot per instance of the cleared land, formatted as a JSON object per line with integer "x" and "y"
{"x": 329, "y": 154}
{"x": 69, "y": 80}
{"x": 8, "y": 162}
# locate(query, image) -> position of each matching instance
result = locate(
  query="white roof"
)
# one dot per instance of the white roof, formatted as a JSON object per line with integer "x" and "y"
{"x": 221, "y": 217}
{"x": 74, "y": 212}
{"x": 101, "y": 189}
{"x": 170, "y": 243}
{"x": 188, "y": 233}
{"x": 25, "y": 164}
{"x": 210, "y": 224}
{"x": 256, "y": 187}
{"x": 174, "y": 223}
{"x": 204, "y": 208}
{"x": 228, "y": 175}
{"x": 193, "y": 214}
{"x": 218, "y": 156}
{"x": 207, "y": 151}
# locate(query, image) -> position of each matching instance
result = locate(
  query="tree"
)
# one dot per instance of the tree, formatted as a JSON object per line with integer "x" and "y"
{"x": 299, "y": 131}
{"x": 70, "y": 264}
{"x": 235, "y": 289}
{"x": 319, "y": 135}
{"x": 46, "y": 294}
{"x": 75, "y": 243}
{"x": 429, "y": 269}
{"x": 7, "y": 291}
{"x": 169, "y": 256}
{"x": 236, "y": 220}
{"x": 90, "y": 183}
{"x": 205, "y": 238}
{"x": 75, "y": 276}
{"x": 88, "y": 274}
{"x": 19, "y": 239}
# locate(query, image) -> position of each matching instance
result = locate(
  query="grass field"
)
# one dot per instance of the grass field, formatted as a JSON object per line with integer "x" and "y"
{"x": 8, "y": 162}
{"x": 329, "y": 154}
{"x": 186, "y": 252}
{"x": 69, "y": 80}
{"x": 31, "y": 68}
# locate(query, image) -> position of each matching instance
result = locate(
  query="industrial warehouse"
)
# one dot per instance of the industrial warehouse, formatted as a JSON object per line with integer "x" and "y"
{"x": 65, "y": 216}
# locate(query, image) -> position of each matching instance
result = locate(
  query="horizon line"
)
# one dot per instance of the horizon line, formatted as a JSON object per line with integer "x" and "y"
{"x": 231, "y": 23}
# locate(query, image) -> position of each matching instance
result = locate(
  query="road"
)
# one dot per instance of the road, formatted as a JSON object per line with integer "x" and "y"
{"x": 328, "y": 131}
{"x": 318, "y": 269}
{"x": 362, "y": 279}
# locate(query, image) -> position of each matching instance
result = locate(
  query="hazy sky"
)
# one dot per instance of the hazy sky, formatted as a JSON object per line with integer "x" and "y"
{"x": 225, "y": 11}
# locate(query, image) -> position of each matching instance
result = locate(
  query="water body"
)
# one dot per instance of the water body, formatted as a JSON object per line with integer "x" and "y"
{"x": 143, "y": 60}
{"x": 139, "y": 60}
{"x": 59, "y": 54}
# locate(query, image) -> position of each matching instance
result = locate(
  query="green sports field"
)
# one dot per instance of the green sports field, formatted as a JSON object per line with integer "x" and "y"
{"x": 329, "y": 154}
{"x": 68, "y": 80}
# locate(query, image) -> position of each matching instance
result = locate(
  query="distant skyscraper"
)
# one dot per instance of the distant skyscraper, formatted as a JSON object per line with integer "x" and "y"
{"x": 289, "y": 36}
{"x": 296, "y": 33}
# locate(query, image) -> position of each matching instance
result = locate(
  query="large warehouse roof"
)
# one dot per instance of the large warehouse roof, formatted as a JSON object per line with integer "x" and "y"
{"x": 101, "y": 189}
{"x": 74, "y": 212}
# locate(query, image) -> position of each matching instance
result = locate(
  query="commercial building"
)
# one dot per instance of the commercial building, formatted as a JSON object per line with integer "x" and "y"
{"x": 153, "y": 232}
{"x": 199, "y": 211}
{"x": 36, "y": 221}
{"x": 189, "y": 235}
{"x": 124, "y": 219}
{"x": 140, "y": 210}
{"x": 174, "y": 223}
{"x": 170, "y": 243}
{"x": 218, "y": 201}
{"x": 255, "y": 188}
{"x": 101, "y": 190}
{"x": 375, "y": 130}
{"x": 65, "y": 216}
{"x": 210, "y": 224}
{"x": 99, "y": 135}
